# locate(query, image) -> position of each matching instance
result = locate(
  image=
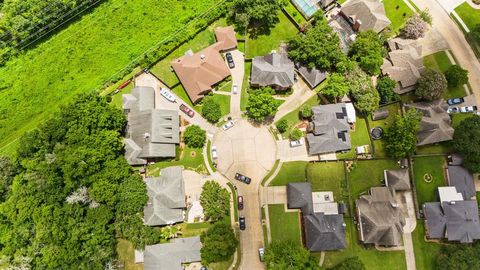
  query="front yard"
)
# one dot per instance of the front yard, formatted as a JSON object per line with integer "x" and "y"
{"x": 398, "y": 12}
{"x": 293, "y": 117}
{"x": 440, "y": 62}
{"x": 290, "y": 172}
{"x": 424, "y": 167}
{"x": 284, "y": 225}
{"x": 425, "y": 252}
{"x": 328, "y": 176}
{"x": 190, "y": 159}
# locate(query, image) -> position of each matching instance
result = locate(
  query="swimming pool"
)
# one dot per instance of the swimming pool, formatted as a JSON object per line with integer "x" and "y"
{"x": 307, "y": 7}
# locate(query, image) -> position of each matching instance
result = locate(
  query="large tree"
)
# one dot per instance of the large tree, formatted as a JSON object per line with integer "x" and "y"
{"x": 211, "y": 110}
{"x": 401, "y": 136}
{"x": 260, "y": 14}
{"x": 319, "y": 47}
{"x": 286, "y": 255}
{"x": 368, "y": 51}
{"x": 431, "y": 85}
{"x": 218, "y": 243}
{"x": 466, "y": 140}
{"x": 456, "y": 76}
{"x": 195, "y": 136}
{"x": 261, "y": 104}
{"x": 8, "y": 170}
{"x": 365, "y": 96}
{"x": 353, "y": 263}
{"x": 336, "y": 86}
{"x": 215, "y": 201}
{"x": 458, "y": 257}
{"x": 385, "y": 86}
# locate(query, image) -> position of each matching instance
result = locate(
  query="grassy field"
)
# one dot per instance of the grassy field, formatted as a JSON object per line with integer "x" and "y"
{"x": 372, "y": 258}
{"x": 293, "y": 118}
{"x": 126, "y": 255}
{"x": 440, "y": 62}
{"x": 190, "y": 159}
{"x": 265, "y": 43}
{"x": 425, "y": 252}
{"x": 427, "y": 192}
{"x": 379, "y": 145}
{"x": 366, "y": 174}
{"x": 398, "y": 12}
{"x": 328, "y": 176}
{"x": 82, "y": 57}
{"x": 469, "y": 15}
{"x": 360, "y": 136}
{"x": 290, "y": 172}
{"x": 284, "y": 225}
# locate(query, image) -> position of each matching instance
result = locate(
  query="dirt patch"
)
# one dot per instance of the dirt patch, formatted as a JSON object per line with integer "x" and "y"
{"x": 193, "y": 154}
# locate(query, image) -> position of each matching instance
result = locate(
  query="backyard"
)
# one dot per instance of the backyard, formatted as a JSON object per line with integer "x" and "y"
{"x": 190, "y": 159}
{"x": 365, "y": 174}
{"x": 290, "y": 172}
{"x": 328, "y": 176}
{"x": 425, "y": 252}
{"x": 398, "y": 12}
{"x": 428, "y": 167}
{"x": 360, "y": 136}
{"x": 290, "y": 224}
{"x": 114, "y": 34}
{"x": 379, "y": 145}
{"x": 295, "y": 13}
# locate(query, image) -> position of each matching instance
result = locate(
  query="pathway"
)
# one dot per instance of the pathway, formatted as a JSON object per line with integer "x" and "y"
{"x": 237, "y": 79}
{"x": 410, "y": 224}
{"x": 301, "y": 93}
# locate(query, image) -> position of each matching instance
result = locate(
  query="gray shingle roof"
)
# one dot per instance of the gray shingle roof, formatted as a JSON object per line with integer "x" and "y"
{"x": 324, "y": 232}
{"x": 398, "y": 179}
{"x": 274, "y": 69}
{"x": 312, "y": 76}
{"x": 381, "y": 220}
{"x": 166, "y": 198}
{"x": 456, "y": 221}
{"x": 170, "y": 256}
{"x": 436, "y": 125}
{"x": 329, "y": 129}
{"x": 462, "y": 180}
{"x": 370, "y": 13}
{"x": 299, "y": 195}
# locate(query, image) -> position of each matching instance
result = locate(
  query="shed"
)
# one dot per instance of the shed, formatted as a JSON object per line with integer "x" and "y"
{"x": 380, "y": 114}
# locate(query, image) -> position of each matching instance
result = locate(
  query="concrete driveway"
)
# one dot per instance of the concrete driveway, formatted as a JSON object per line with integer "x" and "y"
{"x": 237, "y": 79}
{"x": 301, "y": 93}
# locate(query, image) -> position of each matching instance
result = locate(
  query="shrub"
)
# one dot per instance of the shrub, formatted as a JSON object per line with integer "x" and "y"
{"x": 218, "y": 243}
{"x": 282, "y": 125}
{"x": 456, "y": 75}
{"x": 211, "y": 110}
{"x": 414, "y": 28}
{"x": 426, "y": 16}
{"x": 306, "y": 111}
{"x": 296, "y": 134}
{"x": 385, "y": 87}
{"x": 195, "y": 136}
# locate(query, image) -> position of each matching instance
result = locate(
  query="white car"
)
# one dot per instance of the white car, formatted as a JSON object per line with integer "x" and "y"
{"x": 168, "y": 95}
{"x": 296, "y": 143}
{"x": 453, "y": 109}
{"x": 466, "y": 109}
{"x": 228, "y": 125}
{"x": 235, "y": 89}
{"x": 214, "y": 152}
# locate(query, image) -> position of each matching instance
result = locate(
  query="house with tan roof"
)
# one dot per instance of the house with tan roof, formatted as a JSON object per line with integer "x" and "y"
{"x": 363, "y": 15}
{"x": 199, "y": 72}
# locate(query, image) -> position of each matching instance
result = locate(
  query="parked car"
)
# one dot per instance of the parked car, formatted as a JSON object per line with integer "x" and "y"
{"x": 455, "y": 101}
{"x": 229, "y": 57}
{"x": 453, "y": 109}
{"x": 261, "y": 253}
{"x": 235, "y": 89}
{"x": 241, "y": 223}
{"x": 240, "y": 202}
{"x": 467, "y": 109}
{"x": 242, "y": 178}
{"x": 214, "y": 152}
{"x": 168, "y": 95}
{"x": 187, "y": 110}
{"x": 228, "y": 125}
{"x": 297, "y": 143}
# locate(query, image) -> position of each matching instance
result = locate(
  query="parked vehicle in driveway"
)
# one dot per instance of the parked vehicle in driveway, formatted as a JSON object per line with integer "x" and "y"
{"x": 467, "y": 109}
{"x": 187, "y": 110}
{"x": 453, "y": 109}
{"x": 168, "y": 95}
{"x": 230, "y": 62}
{"x": 241, "y": 223}
{"x": 261, "y": 254}
{"x": 240, "y": 202}
{"x": 235, "y": 89}
{"x": 214, "y": 152}
{"x": 297, "y": 143}
{"x": 242, "y": 178}
{"x": 228, "y": 125}
{"x": 455, "y": 101}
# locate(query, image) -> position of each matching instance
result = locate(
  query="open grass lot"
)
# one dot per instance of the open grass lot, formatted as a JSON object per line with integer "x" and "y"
{"x": 266, "y": 42}
{"x": 293, "y": 117}
{"x": 425, "y": 252}
{"x": 360, "y": 136}
{"x": 368, "y": 173}
{"x": 328, "y": 176}
{"x": 284, "y": 225}
{"x": 379, "y": 145}
{"x": 82, "y": 57}
{"x": 398, "y": 12}
{"x": 295, "y": 13}
{"x": 126, "y": 255}
{"x": 440, "y": 62}
{"x": 190, "y": 159}
{"x": 427, "y": 192}
{"x": 290, "y": 172}
{"x": 163, "y": 70}
{"x": 372, "y": 258}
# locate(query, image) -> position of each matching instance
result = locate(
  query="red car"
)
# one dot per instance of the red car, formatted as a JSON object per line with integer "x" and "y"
{"x": 187, "y": 110}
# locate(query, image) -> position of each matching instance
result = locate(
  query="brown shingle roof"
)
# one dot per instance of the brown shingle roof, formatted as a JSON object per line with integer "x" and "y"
{"x": 226, "y": 37}
{"x": 370, "y": 13}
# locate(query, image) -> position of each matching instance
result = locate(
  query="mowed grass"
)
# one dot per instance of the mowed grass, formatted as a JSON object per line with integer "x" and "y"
{"x": 266, "y": 42}
{"x": 425, "y": 252}
{"x": 190, "y": 159}
{"x": 398, "y": 12}
{"x": 126, "y": 255}
{"x": 293, "y": 117}
{"x": 440, "y": 62}
{"x": 82, "y": 57}
{"x": 379, "y": 145}
{"x": 469, "y": 15}
{"x": 245, "y": 86}
{"x": 328, "y": 176}
{"x": 295, "y": 13}
{"x": 290, "y": 172}
{"x": 284, "y": 226}
{"x": 359, "y": 137}
{"x": 434, "y": 165}
{"x": 368, "y": 173}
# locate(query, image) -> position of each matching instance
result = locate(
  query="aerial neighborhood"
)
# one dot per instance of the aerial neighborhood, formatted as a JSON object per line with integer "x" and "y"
{"x": 261, "y": 134}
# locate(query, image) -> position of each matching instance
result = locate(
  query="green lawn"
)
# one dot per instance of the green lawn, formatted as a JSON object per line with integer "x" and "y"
{"x": 209, "y": 155}
{"x": 163, "y": 70}
{"x": 293, "y": 118}
{"x": 469, "y": 15}
{"x": 284, "y": 225}
{"x": 245, "y": 86}
{"x": 360, "y": 136}
{"x": 117, "y": 98}
{"x": 427, "y": 192}
{"x": 191, "y": 159}
{"x": 295, "y": 14}
{"x": 398, "y": 12}
{"x": 180, "y": 92}
{"x": 425, "y": 252}
{"x": 366, "y": 174}
{"x": 126, "y": 255}
{"x": 372, "y": 258}
{"x": 439, "y": 148}
{"x": 265, "y": 43}
{"x": 222, "y": 100}
{"x": 82, "y": 57}
{"x": 457, "y": 118}
{"x": 290, "y": 172}
{"x": 272, "y": 170}
{"x": 379, "y": 145}
{"x": 328, "y": 176}
{"x": 440, "y": 62}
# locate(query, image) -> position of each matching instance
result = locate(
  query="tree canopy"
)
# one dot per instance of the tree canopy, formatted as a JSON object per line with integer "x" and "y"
{"x": 353, "y": 263}
{"x": 466, "y": 140}
{"x": 458, "y": 257}
{"x": 456, "y": 75}
{"x": 72, "y": 192}
{"x": 336, "y": 86}
{"x": 261, "y": 104}
{"x": 261, "y": 14}
{"x": 211, "y": 110}
{"x": 431, "y": 85}
{"x": 286, "y": 255}
{"x": 365, "y": 96}
{"x": 195, "y": 136}
{"x": 368, "y": 51}
{"x": 414, "y": 28}
{"x": 296, "y": 134}
{"x": 282, "y": 125}
{"x": 215, "y": 201}
{"x": 218, "y": 243}
{"x": 401, "y": 136}
{"x": 385, "y": 87}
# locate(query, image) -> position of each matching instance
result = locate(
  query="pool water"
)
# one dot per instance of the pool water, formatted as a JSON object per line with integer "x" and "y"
{"x": 307, "y": 7}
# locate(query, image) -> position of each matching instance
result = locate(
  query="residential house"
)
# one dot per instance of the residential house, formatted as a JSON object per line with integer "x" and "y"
{"x": 166, "y": 198}
{"x": 226, "y": 36}
{"x": 363, "y": 15}
{"x": 436, "y": 124}
{"x": 172, "y": 255}
{"x": 462, "y": 180}
{"x": 380, "y": 220}
{"x": 275, "y": 70}
{"x": 404, "y": 64}
{"x": 398, "y": 179}
{"x": 328, "y": 130}
{"x": 312, "y": 76}
{"x": 151, "y": 133}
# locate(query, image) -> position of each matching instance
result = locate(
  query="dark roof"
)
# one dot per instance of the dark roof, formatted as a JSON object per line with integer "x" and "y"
{"x": 299, "y": 196}
{"x": 170, "y": 256}
{"x": 455, "y": 159}
{"x": 274, "y": 69}
{"x": 312, "y": 76}
{"x": 462, "y": 180}
{"x": 380, "y": 114}
{"x": 456, "y": 221}
{"x": 324, "y": 232}
{"x": 329, "y": 128}
{"x": 326, "y": 3}
{"x": 380, "y": 218}
{"x": 398, "y": 179}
